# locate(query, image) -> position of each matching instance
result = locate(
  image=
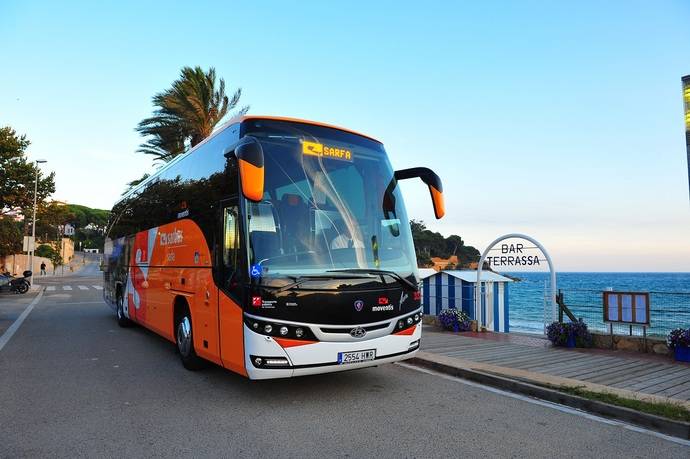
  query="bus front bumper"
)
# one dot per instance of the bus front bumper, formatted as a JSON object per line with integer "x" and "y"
{"x": 322, "y": 356}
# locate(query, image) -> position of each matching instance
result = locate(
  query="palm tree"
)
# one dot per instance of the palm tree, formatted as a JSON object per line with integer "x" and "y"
{"x": 135, "y": 182}
{"x": 186, "y": 113}
{"x": 167, "y": 139}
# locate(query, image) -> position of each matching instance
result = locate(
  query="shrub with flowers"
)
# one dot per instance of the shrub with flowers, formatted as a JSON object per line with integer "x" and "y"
{"x": 583, "y": 338}
{"x": 454, "y": 319}
{"x": 678, "y": 337}
{"x": 559, "y": 333}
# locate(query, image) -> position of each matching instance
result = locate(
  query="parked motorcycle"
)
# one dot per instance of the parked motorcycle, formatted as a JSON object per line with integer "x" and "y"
{"x": 9, "y": 283}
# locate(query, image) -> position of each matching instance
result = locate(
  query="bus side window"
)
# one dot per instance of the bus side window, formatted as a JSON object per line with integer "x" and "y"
{"x": 230, "y": 239}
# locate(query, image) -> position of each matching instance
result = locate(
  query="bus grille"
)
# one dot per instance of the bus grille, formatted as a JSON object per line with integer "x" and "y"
{"x": 347, "y": 329}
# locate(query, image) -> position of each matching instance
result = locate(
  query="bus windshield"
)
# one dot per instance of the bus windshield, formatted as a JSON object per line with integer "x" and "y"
{"x": 327, "y": 204}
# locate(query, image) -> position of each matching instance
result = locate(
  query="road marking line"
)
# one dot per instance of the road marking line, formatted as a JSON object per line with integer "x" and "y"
{"x": 83, "y": 287}
{"x": 97, "y": 287}
{"x": 50, "y": 288}
{"x": 5, "y": 338}
{"x": 66, "y": 287}
{"x": 553, "y": 406}
{"x": 81, "y": 302}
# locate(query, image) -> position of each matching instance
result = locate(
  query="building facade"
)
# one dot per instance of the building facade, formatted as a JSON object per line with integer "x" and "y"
{"x": 456, "y": 289}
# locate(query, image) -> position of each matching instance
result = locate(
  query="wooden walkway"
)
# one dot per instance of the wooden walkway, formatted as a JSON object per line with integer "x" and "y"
{"x": 646, "y": 374}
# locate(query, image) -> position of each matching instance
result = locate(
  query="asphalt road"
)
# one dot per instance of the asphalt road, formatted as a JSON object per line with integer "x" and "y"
{"x": 12, "y": 304}
{"x": 72, "y": 383}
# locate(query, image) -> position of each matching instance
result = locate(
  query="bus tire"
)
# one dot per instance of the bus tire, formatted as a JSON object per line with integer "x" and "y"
{"x": 185, "y": 341}
{"x": 122, "y": 320}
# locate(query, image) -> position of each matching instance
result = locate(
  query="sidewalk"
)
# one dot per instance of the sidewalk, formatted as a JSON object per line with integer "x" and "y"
{"x": 76, "y": 266}
{"x": 534, "y": 360}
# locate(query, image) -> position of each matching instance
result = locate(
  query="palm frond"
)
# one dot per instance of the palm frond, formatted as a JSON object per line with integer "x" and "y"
{"x": 186, "y": 113}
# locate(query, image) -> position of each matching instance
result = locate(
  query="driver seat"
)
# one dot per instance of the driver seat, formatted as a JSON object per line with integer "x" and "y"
{"x": 294, "y": 223}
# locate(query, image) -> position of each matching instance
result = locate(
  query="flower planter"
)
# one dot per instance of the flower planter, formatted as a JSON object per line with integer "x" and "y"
{"x": 454, "y": 320}
{"x": 570, "y": 342}
{"x": 682, "y": 353}
{"x": 569, "y": 334}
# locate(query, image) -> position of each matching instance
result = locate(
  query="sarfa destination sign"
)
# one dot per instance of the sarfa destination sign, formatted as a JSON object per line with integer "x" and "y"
{"x": 513, "y": 255}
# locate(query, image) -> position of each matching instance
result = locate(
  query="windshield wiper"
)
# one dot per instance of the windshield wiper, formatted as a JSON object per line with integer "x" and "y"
{"x": 297, "y": 280}
{"x": 380, "y": 272}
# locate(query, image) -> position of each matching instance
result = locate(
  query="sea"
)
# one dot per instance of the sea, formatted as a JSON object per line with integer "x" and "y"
{"x": 669, "y": 298}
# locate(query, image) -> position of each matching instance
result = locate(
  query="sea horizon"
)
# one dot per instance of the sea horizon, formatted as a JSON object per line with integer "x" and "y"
{"x": 670, "y": 304}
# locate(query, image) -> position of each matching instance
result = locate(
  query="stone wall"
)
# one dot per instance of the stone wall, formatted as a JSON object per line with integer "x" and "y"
{"x": 17, "y": 264}
{"x": 67, "y": 249}
{"x": 431, "y": 320}
{"x": 631, "y": 343}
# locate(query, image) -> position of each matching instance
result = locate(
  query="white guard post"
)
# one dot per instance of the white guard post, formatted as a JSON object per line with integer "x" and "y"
{"x": 478, "y": 289}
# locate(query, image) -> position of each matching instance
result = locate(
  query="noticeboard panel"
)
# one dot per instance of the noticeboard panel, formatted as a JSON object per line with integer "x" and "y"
{"x": 626, "y": 307}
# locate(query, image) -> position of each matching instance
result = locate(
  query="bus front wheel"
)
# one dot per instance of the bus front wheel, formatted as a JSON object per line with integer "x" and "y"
{"x": 185, "y": 342}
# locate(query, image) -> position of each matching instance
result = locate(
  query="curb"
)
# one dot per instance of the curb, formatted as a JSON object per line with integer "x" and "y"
{"x": 678, "y": 429}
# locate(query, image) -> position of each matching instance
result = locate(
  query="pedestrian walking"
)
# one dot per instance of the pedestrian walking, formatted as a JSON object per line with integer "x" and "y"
{"x": 43, "y": 268}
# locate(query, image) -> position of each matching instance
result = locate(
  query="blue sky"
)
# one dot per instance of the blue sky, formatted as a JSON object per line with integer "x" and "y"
{"x": 560, "y": 120}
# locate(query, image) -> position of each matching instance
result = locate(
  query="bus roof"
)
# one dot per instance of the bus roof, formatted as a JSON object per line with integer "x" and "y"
{"x": 242, "y": 118}
{"x": 238, "y": 120}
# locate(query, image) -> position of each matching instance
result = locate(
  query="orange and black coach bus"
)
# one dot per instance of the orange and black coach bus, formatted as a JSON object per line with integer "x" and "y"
{"x": 277, "y": 247}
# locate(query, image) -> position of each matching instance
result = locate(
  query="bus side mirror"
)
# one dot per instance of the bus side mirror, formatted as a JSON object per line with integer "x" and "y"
{"x": 250, "y": 161}
{"x": 432, "y": 180}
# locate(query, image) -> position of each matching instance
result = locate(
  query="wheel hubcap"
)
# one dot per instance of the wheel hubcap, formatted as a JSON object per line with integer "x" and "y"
{"x": 184, "y": 336}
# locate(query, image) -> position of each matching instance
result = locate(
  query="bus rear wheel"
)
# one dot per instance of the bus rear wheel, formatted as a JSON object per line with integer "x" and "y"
{"x": 185, "y": 342}
{"x": 122, "y": 320}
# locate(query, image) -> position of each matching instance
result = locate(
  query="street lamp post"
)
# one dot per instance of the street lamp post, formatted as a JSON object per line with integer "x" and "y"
{"x": 32, "y": 246}
{"x": 62, "y": 253}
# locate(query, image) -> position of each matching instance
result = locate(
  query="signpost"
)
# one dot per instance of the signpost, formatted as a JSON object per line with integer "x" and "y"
{"x": 513, "y": 255}
{"x": 630, "y": 308}
{"x": 686, "y": 112}
{"x": 626, "y": 307}
{"x": 28, "y": 244}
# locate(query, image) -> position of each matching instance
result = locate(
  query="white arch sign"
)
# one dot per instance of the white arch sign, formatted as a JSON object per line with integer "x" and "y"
{"x": 478, "y": 288}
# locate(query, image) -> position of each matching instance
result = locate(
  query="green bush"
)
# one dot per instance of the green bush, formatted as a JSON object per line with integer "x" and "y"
{"x": 10, "y": 237}
{"x": 45, "y": 251}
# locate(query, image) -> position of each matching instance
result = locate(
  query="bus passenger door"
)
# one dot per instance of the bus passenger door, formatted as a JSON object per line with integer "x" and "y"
{"x": 230, "y": 288}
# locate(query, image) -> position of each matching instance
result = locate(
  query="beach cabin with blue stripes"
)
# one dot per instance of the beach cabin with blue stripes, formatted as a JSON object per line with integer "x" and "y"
{"x": 455, "y": 289}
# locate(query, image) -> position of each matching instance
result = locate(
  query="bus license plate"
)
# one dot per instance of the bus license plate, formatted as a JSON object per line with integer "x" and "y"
{"x": 356, "y": 356}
